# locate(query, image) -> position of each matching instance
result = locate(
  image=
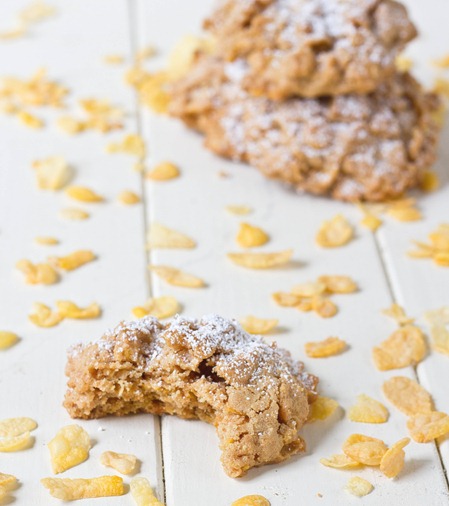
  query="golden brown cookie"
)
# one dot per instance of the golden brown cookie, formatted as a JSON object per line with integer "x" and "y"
{"x": 311, "y": 48}
{"x": 255, "y": 394}
{"x": 351, "y": 147}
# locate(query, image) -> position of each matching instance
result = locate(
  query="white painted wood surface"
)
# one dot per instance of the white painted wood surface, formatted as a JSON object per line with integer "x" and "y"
{"x": 32, "y": 382}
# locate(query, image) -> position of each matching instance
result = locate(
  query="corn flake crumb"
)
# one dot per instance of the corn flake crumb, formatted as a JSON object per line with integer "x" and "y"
{"x": 128, "y": 198}
{"x": 131, "y": 144}
{"x": 83, "y": 194}
{"x": 250, "y": 236}
{"x": 30, "y": 120}
{"x": 70, "y": 310}
{"x": 252, "y": 500}
{"x": 163, "y": 171}
{"x": 335, "y": 233}
{"x": 121, "y": 462}
{"x": 37, "y": 274}
{"x": 176, "y": 277}
{"x": 114, "y": 59}
{"x": 160, "y": 236}
{"x": 142, "y": 493}
{"x": 68, "y": 489}
{"x": 359, "y": 486}
{"x": 327, "y": 348}
{"x": 368, "y": 410}
{"x": 43, "y": 316}
{"x": 69, "y": 448}
{"x": 261, "y": 260}
{"x": 7, "y": 339}
{"x": 254, "y": 325}
{"x": 73, "y": 260}
{"x": 239, "y": 210}
{"x": 52, "y": 173}
{"x": 397, "y": 312}
{"x": 72, "y": 213}
{"x": 46, "y": 241}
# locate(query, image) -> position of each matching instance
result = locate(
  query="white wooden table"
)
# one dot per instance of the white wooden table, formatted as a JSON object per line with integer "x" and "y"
{"x": 181, "y": 458}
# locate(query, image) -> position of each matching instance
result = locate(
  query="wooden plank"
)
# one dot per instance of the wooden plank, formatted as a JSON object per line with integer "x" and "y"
{"x": 194, "y": 204}
{"x": 32, "y": 381}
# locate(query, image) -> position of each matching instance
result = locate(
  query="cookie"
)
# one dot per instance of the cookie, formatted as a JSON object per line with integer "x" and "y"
{"x": 255, "y": 394}
{"x": 350, "y": 147}
{"x": 311, "y": 48}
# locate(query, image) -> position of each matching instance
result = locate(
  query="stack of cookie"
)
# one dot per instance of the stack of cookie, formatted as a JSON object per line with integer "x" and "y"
{"x": 308, "y": 92}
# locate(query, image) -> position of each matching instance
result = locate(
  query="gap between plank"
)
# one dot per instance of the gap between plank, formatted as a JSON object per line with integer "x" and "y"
{"x": 387, "y": 270}
{"x": 134, "y": 36}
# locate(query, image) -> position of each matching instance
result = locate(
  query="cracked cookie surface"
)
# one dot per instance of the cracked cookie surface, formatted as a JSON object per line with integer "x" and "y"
{"x": 255, "y": 394}
{"x": 311, "y": 48}
{"x": 350, "y": 147}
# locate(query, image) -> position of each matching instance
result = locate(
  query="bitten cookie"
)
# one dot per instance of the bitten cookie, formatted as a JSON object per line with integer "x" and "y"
{"x": 311, "y": 48}
{"x": 255, "y": 394}
{"x": 350, "y": 147}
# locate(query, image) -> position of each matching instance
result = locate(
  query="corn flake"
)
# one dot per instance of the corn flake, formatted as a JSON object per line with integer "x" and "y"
{"x": 163, "y": 171}
{"x": 7, "y": 481}
{"x": 425, "y": 427}
{"x": 364, "y": 449}
{"x": 11, "y": 427}
{"x": 114, "y": 59}
{"x": 68, "y": 489}
{"x": 16, "y": 443}
{"x": 405, "y": 347}
{"x": 142, "y": 493}
{"x": 131, "y": 144}
{"x": 7, "y": 339}
{"x": 37, "y": 274}
{"x": 440, "y": 339}
{"x": 30, "y": 120}
{"x": 368, "y": 410}
{"x": 164, "y": 237}
{"x": 71, "y": 125}
{"x": 322, "y": 408}
{"x": 335, "y": 232}
{"x": 407, "y": 395}
{"x": 338, "y": 284}
{"x": 252, "y": 500}
{"x": 327, "y": 348}
{"x": 43, "y": 316}
{"x": 69, "y": 448}
{"x": 284, "y": 299}
{"x": 70, "y": 310}
{"x": 255, "y": 325}
{"x": 309, "y": 289}
{"x": 74, "y": 260}
{"x": 83, "y": 194}
{"x": 358, "y": 486}
{"x": 73, "y": 213}
{"x": 185, "y": 52}
{"x": 397, "y": 312}
{"x": 438, "y": 249}
{"x": 324, "y": 307}
{"x": 176, "y": 277}
{"x": 261, "y": 260}
{"x": 121, "y": 462}
{"x": 239, "y": 210}
{"x": 392, "y": 462}
{"x": 46, "y": 241}
{"x": 403, "y": 63}
{"x": 52, "y": 173}
{"x": 339, "y": 462}
{"x": 250, "y": 236}
{"x": 159, "y": 307}
{"x": 430, "y": 181}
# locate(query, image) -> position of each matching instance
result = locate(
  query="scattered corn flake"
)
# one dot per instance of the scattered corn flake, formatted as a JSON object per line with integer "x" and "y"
{"x": 261, "y": 260}
{"x": 46, "y": 241}
{"x": 68, "y": 309}
{"x": 339, "y": 462}
{"x": 159, "y": 307}
{"x": 83, "y": 194}
{"x": 146, "y": 53}
{"x": 392, "y": 462}
{"x": 397, "y": 312}
{"x": 368, "y": 410}
{"x": 407, "y": 395}
{"x": 72, "y": 213}
{"x": 128, "y": 198}
{"x": 359, "y": 486}
{"x": 42, "y": 316}
{"x": 252, "y": 500}
{"x": 255, "y": 325}
{"x": 403, "y": 63}
{"x": 69, "y": 448}
{"x": 30, "y": 120}
{"x": 11, "y": 427}
{"x": 142, "y": 493}
{"x": 14, "y": 33}
{"x": 250, "y": 236}
{"x": 430, "y": 181}
{"x": 370, "y": 219}
{"x": 442, "y": 62}
{"x": 322, "y": 408}
{"x": 7, "y": 339}
{"x": 101, "y": 115}
{"x": 36, "y": 11}
{"x": 305, "y": 305}
{"x": 324, "y": 307}
{"x": 284, "y": 299}
{"x": 52, "y": 173}
{"x": 364, "y": 449}
{"x": 185, "y": 53}
{"x": 73, "y": 260}
{"x": 16, "y": 443}
{"x": 114, "y": 59}
{"x": 405, "y": 214}
{"x": 176, "y": 277}
{"x": 150, "y": 87}
{"x": 71, "y": 125}
{"x": 327, "y": 348}
{"x": 163, "y": 171}
{"x": 335, "y": 232}
{"x": 339, "y": 284}
{"x": 309, "y": 289}
{"x": 122, "y": 462}
{"x": 425, "y": 427}
{"x": 442, "y": 259}
{"x": 438, "y": 316}
{"x": 440, "y": 339}
{"x": 441, "y": 86}
{"x": 239, "y": 210}
{"x": 131, "y": 144}
{"x": 405, "y": 347}
{"x": 160, "y": 236}
{"x": 68, "y": 489}
{"x": 7, "y": 481}
{"x": 37, "y": 274}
